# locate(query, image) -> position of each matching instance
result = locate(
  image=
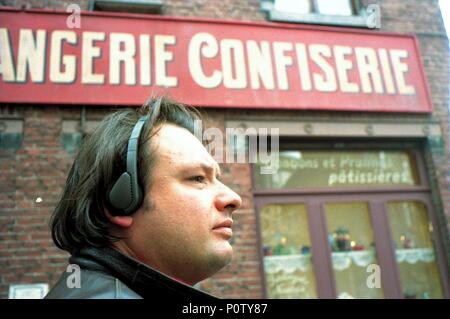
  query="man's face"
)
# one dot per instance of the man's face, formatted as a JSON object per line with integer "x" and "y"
{"x": 186, "y": 232}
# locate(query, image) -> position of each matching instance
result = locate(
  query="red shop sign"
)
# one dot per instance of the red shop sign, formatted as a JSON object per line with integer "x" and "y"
{"x": 120, "y": 59}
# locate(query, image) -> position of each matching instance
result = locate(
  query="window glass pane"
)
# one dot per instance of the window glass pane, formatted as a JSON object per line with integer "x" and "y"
{"x": 293, "y": 6}
{"x": 415, "y": 252}
{"x": 352, "y": 245}
{"x": 287, "y": 254}
{"x": 340, "y": 169}
{"x": 335, "y": 7}
{"x": 10, "y": 141}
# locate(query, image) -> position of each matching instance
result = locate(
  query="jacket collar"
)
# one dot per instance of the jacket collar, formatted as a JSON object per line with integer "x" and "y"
{"x": 145, "y": 281}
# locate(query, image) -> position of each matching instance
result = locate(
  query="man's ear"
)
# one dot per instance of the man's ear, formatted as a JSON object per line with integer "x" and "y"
{"x": 120, "y": 221}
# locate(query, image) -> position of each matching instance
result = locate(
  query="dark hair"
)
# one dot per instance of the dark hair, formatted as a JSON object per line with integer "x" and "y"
{"x": 79, "y": 219}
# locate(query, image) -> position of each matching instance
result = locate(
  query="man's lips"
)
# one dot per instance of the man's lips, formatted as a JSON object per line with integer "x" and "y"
{"x": 226, "y": 223}
{"x": 224, "y": 228}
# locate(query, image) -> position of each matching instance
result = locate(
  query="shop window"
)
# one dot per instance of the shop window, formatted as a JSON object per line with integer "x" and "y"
{"x": 336, "y": 12}
{"x": 287, "y": 252}
{"x": 135, "y": 6}
{"x": 348, "y": 223}
{"x": 351, "y": 239}
{"x": 341, "y": 169}
{"x": 414, "y": 249}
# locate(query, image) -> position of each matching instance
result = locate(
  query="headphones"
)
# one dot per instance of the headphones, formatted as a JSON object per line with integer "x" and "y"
{"x": 126, "y": 196}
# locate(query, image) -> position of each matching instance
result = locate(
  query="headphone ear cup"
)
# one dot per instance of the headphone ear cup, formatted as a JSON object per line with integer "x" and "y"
{"x": 121, "y": 195}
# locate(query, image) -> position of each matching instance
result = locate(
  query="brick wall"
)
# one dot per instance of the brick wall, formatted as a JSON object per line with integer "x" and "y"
{"x": 39, "y": 166}
{"x": 37, "y": 169}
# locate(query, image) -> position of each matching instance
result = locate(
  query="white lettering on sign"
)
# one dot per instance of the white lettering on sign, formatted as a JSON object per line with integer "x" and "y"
{"x": 203, "y": 45}
{"x": 303, "y": 65}
{"x": 387, "y": 74}
{"x": 369, "y": 71}
{"x": 236, "y": 64}
{"x": 282, "y": 61}
{"x": 122, "y": 51}
{"x": 344, "y": 65}
{"x": 31, "y": 55}
{"x": 326, "y": 80}
{"x": 233, "y": 64}
{"x": 6, "y": 57}
{"x": 260, "y": 65}
{"x": 400, "y": 68}
{"x": 89, "y": 53}
{"x": 145, "y": 55}
{"x": 63, "y": 67}
{"x": 162, "y": 56}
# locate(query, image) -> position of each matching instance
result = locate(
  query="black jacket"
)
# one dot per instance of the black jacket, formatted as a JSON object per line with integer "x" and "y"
{"x": 108, "y": 274}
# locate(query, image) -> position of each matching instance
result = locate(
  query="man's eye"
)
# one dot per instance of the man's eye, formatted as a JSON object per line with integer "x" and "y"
{"x": 198, "y": 179}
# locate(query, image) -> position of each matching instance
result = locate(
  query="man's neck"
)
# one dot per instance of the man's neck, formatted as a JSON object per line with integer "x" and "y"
{"x": 124, "y": 249}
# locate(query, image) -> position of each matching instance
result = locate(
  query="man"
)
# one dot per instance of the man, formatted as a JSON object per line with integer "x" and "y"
{"x": 153, "y": 238}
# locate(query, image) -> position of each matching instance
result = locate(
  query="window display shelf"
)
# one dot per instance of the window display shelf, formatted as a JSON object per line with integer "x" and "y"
{"x": 412, "y": 256}
{"x": 287, "y": 263}
{"x": 343, "y": 260}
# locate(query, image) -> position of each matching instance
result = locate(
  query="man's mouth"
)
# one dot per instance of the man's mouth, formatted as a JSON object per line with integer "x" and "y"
{"x": 224, "y": 228}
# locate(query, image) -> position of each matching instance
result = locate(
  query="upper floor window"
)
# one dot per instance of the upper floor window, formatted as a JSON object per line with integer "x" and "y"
{"x": 289, "y": 6}
{"x": 134, "y": 6}
{"x": 337, "y": 7}
{"x": 336, "y": 12}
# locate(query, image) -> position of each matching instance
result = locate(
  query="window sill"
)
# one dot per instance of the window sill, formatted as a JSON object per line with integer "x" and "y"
{"x": 313, "y": 18}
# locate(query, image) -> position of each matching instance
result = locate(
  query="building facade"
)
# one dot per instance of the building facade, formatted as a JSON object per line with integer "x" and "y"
{"x": 354, "y": 94}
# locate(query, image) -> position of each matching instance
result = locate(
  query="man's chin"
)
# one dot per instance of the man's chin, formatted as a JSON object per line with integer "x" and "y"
{"x": 223, "y": 254}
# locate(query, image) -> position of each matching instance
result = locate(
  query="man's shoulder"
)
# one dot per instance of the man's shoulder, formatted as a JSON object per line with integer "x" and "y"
{"x": 90, "y": 285}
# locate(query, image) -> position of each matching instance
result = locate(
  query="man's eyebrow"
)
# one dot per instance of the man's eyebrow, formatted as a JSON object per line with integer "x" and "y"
{"x": 208, "y": 168}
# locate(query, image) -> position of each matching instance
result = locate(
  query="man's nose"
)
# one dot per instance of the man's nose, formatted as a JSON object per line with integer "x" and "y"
{"x": 227, "y": 199}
